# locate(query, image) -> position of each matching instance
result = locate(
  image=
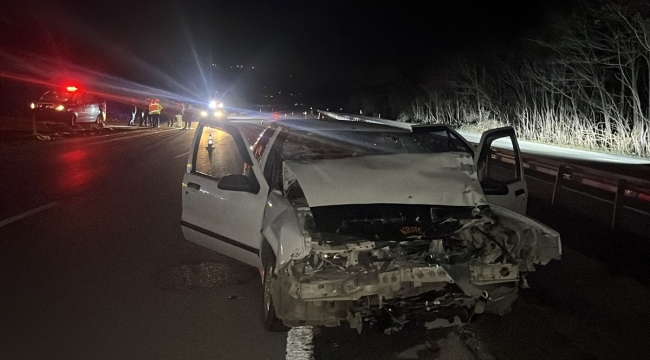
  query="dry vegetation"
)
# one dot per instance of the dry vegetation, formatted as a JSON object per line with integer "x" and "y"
{"x": 590, "y": 90}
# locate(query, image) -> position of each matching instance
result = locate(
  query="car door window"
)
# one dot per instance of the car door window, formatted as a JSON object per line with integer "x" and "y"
{"x": 443, "y": 141}
{"x": 273, "y": 166}
{"x": 217, "y": 154}
{"x": 261, "y": 143}
{"x": 90, "y": 99}
{"x": 499, "y": 165}
{"x": 500, "y": 169}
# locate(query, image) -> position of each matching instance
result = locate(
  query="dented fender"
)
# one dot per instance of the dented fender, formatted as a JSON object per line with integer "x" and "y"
{"x": 282, "y": 229}
{"x": 536, "y": 243}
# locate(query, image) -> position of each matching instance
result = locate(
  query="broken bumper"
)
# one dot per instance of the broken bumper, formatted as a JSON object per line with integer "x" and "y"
{"x": 412, "y": 296}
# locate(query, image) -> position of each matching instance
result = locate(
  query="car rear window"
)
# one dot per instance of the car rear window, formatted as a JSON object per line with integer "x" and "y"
{"x": 303, "y": 145}
{"x": 55, "y": 96}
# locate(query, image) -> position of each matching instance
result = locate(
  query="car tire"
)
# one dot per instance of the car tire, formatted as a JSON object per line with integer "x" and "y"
{"x": 271, "y": 322}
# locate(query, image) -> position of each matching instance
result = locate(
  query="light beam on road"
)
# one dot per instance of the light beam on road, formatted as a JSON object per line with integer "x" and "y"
{"x": 300, "y": 344}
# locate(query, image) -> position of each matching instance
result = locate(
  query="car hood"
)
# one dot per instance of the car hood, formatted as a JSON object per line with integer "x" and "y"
{"x": 447, "y": 179}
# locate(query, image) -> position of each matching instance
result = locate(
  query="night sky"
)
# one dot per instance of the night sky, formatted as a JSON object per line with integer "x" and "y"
{"x": 302, "y": 43}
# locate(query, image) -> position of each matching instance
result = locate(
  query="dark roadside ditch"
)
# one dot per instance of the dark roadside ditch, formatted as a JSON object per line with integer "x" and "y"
{"x": 589, "y": 305}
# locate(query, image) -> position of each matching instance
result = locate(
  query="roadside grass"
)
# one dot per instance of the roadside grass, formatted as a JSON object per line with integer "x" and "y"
{"x": 553, "y": 126}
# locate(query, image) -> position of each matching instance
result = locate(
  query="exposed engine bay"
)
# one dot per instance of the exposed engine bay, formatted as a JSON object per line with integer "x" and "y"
{"x": 392, "y": 266}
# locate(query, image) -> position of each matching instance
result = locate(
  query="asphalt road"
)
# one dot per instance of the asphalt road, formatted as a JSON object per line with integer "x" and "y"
{"x": 96, "y": 276}
{"x": 93, "y": 265}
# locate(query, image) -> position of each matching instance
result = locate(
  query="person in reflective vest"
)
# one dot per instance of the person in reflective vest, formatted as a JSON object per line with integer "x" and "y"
{"x": 154, "y": 112}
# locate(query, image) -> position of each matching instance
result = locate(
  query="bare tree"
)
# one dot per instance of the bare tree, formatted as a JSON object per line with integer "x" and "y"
{"x": 592, "y": 92}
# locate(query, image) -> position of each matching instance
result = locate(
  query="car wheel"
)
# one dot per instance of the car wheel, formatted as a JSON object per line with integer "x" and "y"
{"x": 271, "y": 322}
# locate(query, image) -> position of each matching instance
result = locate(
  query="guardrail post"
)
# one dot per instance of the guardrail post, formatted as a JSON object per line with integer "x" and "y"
{"x": 618, "y": 201}
{"x": 560, "y": 172}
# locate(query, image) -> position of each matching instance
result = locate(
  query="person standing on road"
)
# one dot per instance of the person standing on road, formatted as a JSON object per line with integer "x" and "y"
{"x": 188, "y": 116}
{"x": 182, "y": 107}
{"x": 145, "y": 114}
{"x": 178, "y": 115}
{"x": 154, "y": 112}
{"x": 172, "y": 110}
{"x": 134, "y": 113}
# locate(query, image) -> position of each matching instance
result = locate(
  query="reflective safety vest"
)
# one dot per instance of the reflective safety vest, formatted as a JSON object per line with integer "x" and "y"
{"x": 155, "y": 108}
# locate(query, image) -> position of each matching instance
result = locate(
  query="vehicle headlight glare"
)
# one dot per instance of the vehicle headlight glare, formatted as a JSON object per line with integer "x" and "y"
{"x": 220, "y": 105}
{"x": 32, "y": 106}
{"x": 204, "y": 113}
{"x": 59, "y": 108}
{"x": 218, "y": 114}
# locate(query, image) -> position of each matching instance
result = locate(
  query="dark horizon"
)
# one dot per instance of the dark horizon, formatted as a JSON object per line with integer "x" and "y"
{"x": 294, "y": 46}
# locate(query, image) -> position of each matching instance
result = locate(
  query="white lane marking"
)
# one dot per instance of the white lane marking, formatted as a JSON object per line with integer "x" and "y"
{"x": 182, "y": 155}
{"x": 299, "y": 343}
{"x": 27, "y": 214}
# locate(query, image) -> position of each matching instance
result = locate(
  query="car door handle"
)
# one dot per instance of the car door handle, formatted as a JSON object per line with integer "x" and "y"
{"x": 194, "y": 186}
{"x": 520, "y": 192}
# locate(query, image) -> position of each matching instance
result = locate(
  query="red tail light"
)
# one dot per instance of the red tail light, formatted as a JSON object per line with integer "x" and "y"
{"x": 275, "y": 116}
{"x": 644, "y": 197}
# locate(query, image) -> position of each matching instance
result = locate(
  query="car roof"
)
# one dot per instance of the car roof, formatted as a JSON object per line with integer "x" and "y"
{"x": 334, "y": 125}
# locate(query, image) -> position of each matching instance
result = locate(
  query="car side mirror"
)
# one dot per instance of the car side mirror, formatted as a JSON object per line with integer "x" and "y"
{"x": 494, "y": 187}
{"x": 238, "y": 183}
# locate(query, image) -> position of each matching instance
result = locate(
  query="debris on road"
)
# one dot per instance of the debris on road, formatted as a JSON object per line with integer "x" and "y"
{"x": 205, "y": 275}
{"x": 432, "y": 346}
{"x": 474, "y": 345}
{"x": 449, "y": 347}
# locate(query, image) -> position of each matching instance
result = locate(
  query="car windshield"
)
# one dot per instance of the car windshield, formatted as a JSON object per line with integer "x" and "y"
{"x": 55, "y": 96}
{"x": 303, "y": 145}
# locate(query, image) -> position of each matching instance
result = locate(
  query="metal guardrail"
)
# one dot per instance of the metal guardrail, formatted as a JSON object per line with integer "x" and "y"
{"x": 622, "y": 187}
{"x": 621, "y": 192}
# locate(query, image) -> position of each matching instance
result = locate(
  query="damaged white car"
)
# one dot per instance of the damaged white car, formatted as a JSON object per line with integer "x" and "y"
{"x": 370, "y": 225}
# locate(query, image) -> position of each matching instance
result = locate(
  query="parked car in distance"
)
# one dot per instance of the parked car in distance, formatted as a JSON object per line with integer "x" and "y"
{"x": 70, "y": 106}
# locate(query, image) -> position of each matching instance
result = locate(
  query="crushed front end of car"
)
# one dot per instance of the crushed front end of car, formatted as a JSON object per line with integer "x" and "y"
{"x": 392, "y": 266}
{"x": 404, "y": 274}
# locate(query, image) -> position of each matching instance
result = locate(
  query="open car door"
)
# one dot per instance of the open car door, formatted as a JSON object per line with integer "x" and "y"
{"x": 501, "y": 169}
{"x": 223, "y": 204}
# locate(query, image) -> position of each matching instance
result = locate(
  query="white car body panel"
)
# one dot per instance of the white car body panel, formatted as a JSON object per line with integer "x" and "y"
{"x": 518, "y": 204}
{"x": 281, "y": 229}
{"x": 447, "y": 179}
{"x": 228, "y": 222}
{"x": 231, "y": 214}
